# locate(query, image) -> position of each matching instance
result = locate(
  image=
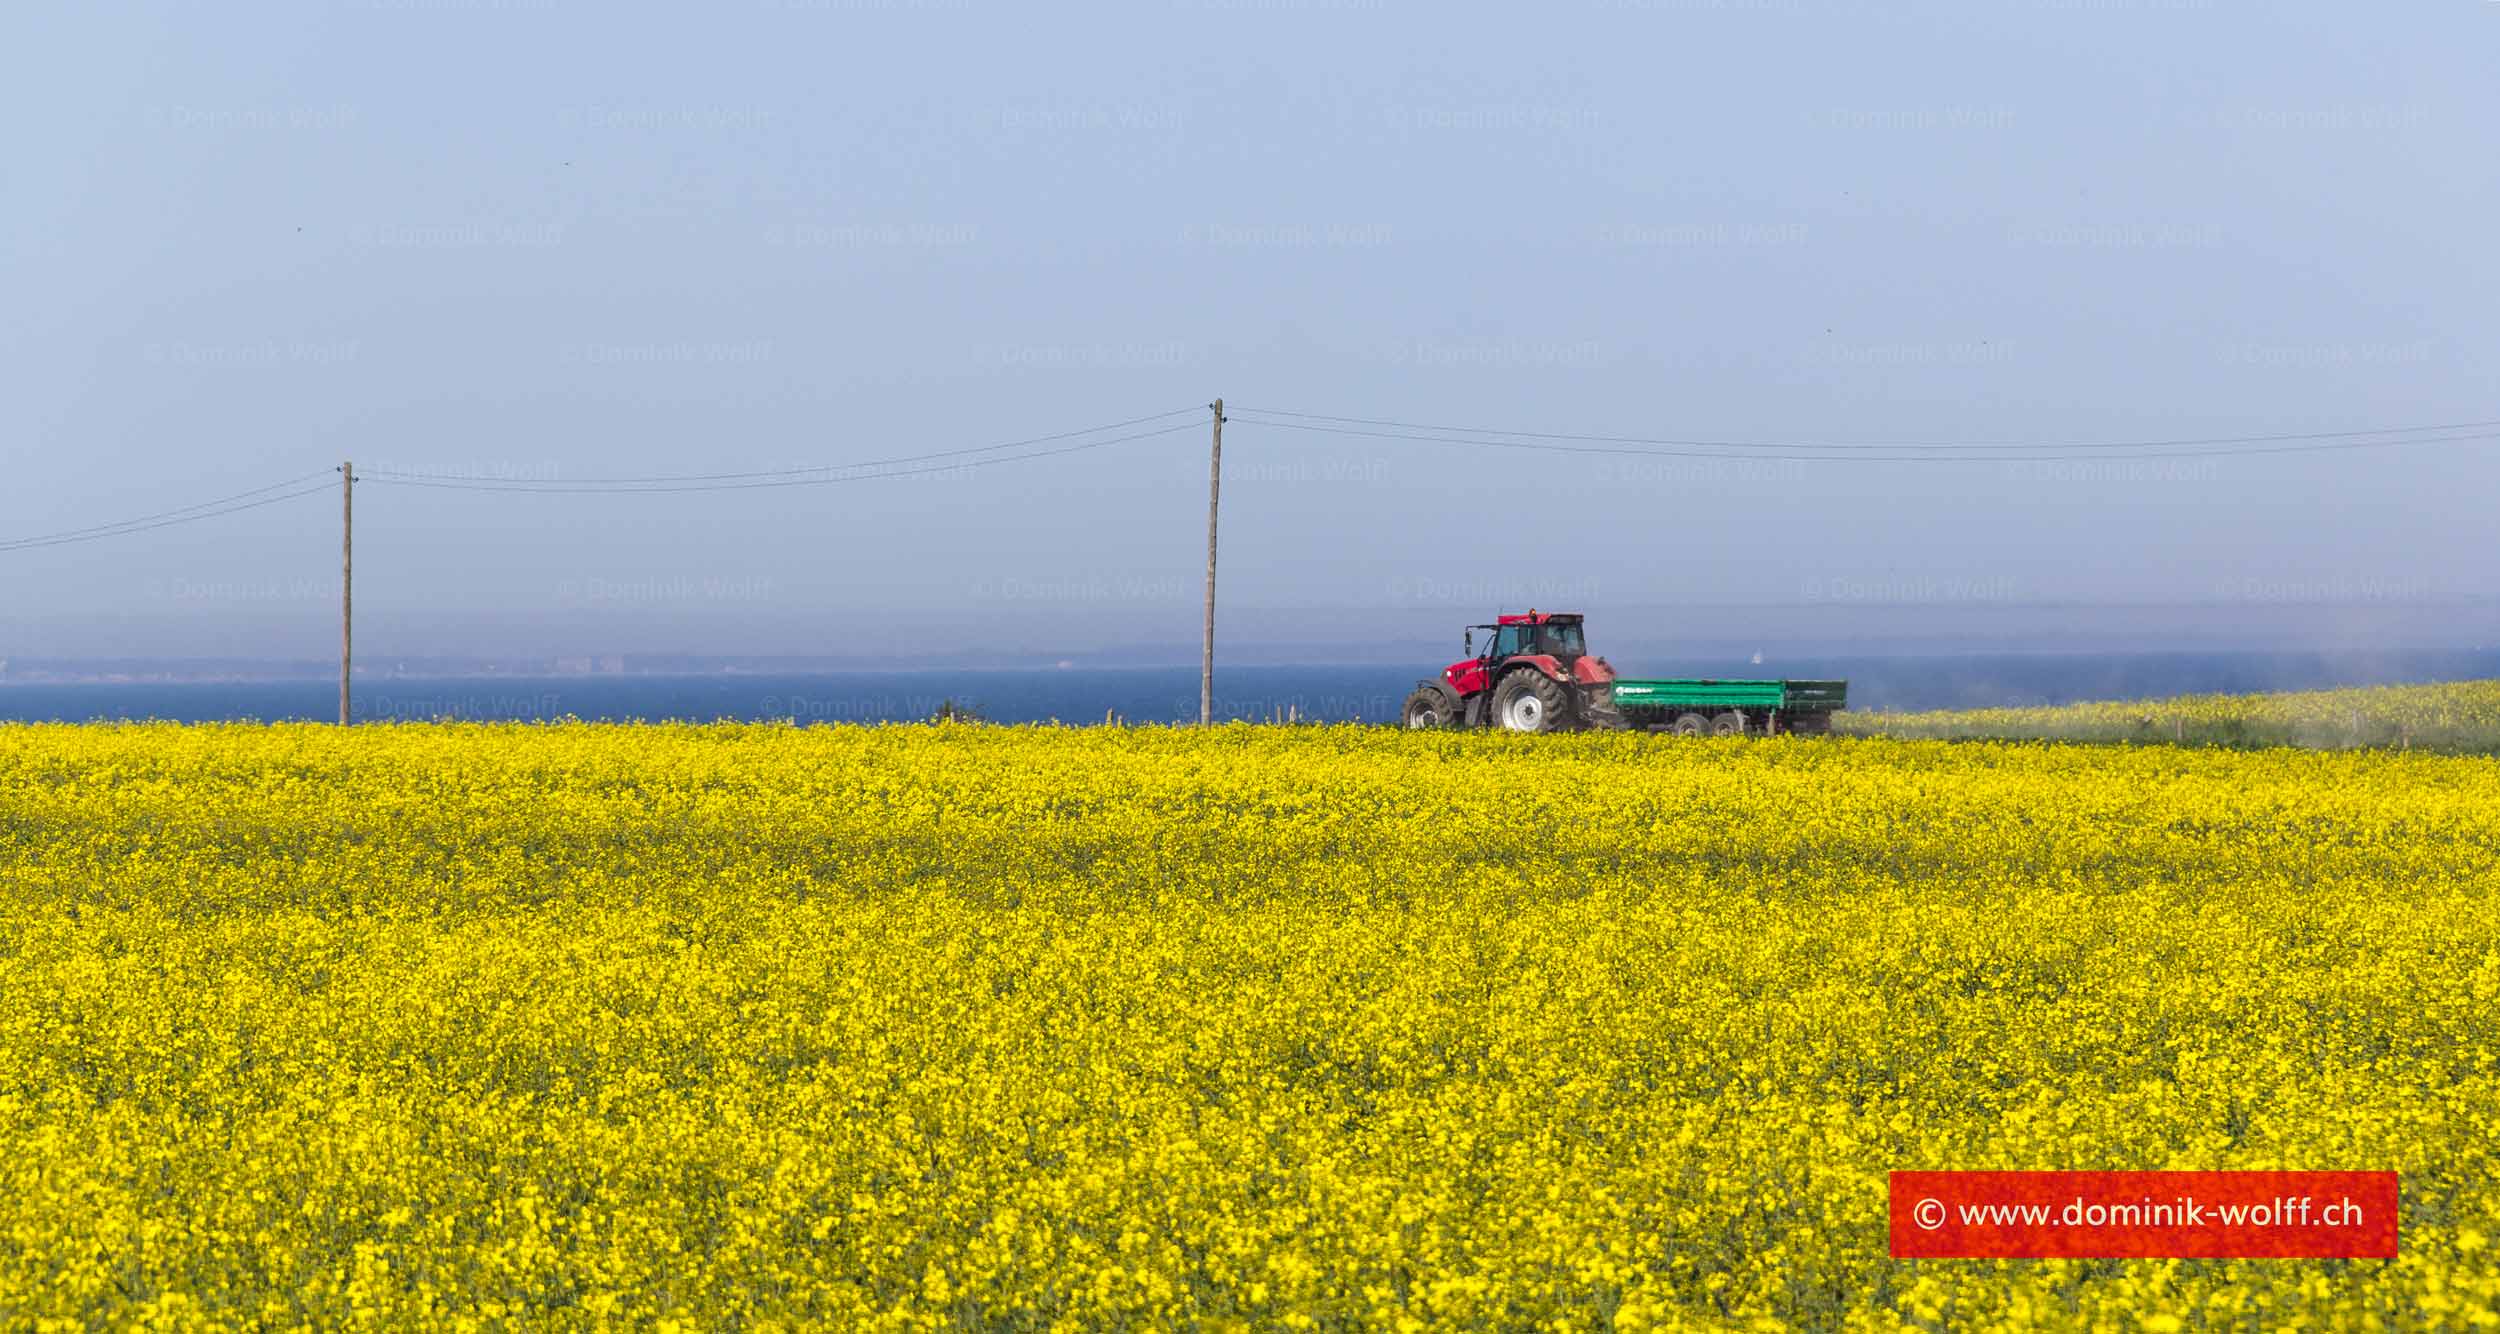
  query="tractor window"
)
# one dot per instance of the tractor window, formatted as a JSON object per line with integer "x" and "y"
{"x": 1510, "y": 640}
{"x": 1563, "y": 640}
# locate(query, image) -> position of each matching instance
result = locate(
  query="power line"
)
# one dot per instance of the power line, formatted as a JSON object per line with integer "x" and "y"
{"x": 1905, "y": 445}
{"x": 97, "y": 532}
{"x": 99, "y": 528}
{"x": 1545, "y": 444}
{"x": 976, "y": 456}
{"x": 541, "y": 488}
{"x": 980, "y": 456}
{"x": 677, "y": 481}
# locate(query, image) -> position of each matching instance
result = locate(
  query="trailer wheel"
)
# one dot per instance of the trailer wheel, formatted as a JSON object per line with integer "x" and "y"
{"x": 1730, "y": 723}
{"x": 1527, "y": 702}
{"x": 1431, "y": 708}
{"x": 1691, "y": 724}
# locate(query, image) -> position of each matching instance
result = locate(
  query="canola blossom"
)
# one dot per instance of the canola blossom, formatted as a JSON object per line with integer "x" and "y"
{"x": 918, "y": 1027}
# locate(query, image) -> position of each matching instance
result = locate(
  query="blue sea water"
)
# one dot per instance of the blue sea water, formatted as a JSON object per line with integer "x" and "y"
{"x": 1147, "y": 695}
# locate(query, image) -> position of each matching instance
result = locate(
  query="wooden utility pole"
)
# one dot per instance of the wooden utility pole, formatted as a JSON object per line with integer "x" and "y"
{"x": 347, "y": 580}
{"x": 1215, "y": 492}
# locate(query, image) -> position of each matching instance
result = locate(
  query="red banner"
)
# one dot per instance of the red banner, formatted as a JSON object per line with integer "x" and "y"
{"x": 2162, "y": 1215}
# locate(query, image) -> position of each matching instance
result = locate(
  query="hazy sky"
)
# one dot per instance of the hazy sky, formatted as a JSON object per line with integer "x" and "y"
{"x": 542, "y": 239}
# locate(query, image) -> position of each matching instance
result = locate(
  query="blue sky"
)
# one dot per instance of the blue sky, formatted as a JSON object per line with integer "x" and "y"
{"x": 536, "y": 239}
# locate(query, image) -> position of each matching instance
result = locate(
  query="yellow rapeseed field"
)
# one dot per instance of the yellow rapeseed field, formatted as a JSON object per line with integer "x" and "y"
{"x": 467, "y": 1026}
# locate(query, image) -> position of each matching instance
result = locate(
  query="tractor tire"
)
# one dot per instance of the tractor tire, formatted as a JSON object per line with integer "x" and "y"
{"x": 1527, "y": 701}
{"x": 1691, "y": 724}
{"x": 1730, "y": 723}
{"x": 1431, "y": 708}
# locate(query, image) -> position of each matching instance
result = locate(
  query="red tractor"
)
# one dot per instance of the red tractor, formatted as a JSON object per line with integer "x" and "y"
{"x": 1535, "y": 675}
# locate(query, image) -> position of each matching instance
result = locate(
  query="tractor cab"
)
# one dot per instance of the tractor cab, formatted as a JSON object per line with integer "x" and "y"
{"x": 1555, "y": 635}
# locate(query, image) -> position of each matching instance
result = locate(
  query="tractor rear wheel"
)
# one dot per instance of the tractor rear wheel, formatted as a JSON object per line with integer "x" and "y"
{"x": 1691, "y": 724}
{"x": 1730, "y": 723}
{"x": 1431, "y": 707}
{"x": 1527, "y": 701}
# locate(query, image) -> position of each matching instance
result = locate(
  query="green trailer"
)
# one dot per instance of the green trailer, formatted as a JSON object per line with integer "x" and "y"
{"x": 1728, "y": 708}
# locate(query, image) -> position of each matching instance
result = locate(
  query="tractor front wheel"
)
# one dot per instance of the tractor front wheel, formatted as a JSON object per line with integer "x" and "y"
{"x": 1431, "y": 707}
{"x": 1528, "y": 702}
